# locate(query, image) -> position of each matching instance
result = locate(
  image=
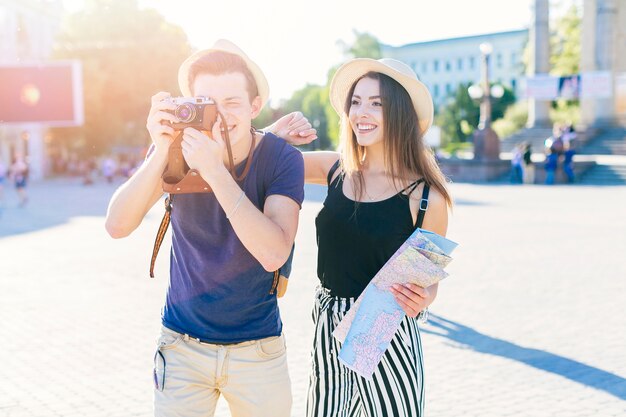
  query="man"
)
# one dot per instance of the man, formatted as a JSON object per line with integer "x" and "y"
{"x": 222, "y": 332}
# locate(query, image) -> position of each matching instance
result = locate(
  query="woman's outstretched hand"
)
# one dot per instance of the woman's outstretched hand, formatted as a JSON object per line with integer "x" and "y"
{"x": 294, "y": 128}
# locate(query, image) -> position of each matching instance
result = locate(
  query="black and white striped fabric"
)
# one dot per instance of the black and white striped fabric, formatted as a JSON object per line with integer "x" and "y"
{"x": 397, "y": 387}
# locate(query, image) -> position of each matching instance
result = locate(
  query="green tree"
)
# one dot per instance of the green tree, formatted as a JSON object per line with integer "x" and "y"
{"x": 565, "y": 60}
{"x": 459, "y": 118}
{"x": 365, "y": 45}
{"x": 565, "y": 43}
{"x": 312, "y": 101}
{"x": 128, "y": 54}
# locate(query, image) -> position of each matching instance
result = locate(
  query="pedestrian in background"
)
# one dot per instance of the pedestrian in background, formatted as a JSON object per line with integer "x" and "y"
{"x": 516, "y": 165}
{"x": 19, "y": 174}
{"x": 551, "y": 163}
{"x": 109, "y": 168}
{"x": 529, "y": 167}
{"x": 568, "y": 161}
{"x": 3, "y": 176}
{"x": 555, "y": 142}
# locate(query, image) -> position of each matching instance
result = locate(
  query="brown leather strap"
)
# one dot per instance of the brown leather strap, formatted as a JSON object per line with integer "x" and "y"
{"x": 161, "y": 233}
{"x": 229, "y": 150}
{"x": 176, "y": 166}
{"x": 194, "y": 183}
{"x": 275, "y": 281}
{"x": 249, "y": 161}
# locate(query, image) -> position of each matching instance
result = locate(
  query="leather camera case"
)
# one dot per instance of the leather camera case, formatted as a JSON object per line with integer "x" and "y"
{"x": 177, "y": 177}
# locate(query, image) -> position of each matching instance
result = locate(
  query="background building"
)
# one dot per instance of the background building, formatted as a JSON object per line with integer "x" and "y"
{"x": 444, "y": 64}
{"x": 27, "y": 31}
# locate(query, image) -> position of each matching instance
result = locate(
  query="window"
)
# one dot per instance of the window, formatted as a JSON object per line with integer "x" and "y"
{"x": 436, "y": 90}
{"x": 499, "y": 60}
{"x": 513, "y": 59}
{"x": 513, "y": 83}
{"x": 448, "y": 89}
{"x": 459, "y": 64}
{"x": 448, "y": 66}
{"x": 436, "y": 65}
{"x": 472, "y": 62}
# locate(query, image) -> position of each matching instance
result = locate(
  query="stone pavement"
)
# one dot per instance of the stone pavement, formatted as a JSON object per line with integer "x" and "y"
{"x": 530, "y": 323}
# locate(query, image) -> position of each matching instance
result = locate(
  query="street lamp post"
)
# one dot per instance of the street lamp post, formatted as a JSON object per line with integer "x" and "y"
{"x": 485, "y": 105}
{"x": 486, "y": 141}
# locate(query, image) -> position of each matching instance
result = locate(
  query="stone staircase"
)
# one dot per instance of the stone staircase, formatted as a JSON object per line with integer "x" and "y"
{"x": 609, "y": 142}
{"x": 600, "y": 159}
{"x": 611, "y": 169}
{"x": 605, "y": 174}
{"x": 536, "y": 137}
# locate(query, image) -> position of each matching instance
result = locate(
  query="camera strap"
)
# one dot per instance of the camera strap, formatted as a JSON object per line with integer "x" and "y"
{"x": 165, "y": 222}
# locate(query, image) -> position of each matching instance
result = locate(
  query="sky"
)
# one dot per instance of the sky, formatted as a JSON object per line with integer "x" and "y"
{"x": 295, "y": 42}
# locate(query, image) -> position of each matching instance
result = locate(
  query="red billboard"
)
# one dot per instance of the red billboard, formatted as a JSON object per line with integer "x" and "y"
{"x": 49, "y": 93}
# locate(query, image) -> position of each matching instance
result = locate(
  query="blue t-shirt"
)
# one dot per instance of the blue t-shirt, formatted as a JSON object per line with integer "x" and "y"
{"x": 218, "y": 292}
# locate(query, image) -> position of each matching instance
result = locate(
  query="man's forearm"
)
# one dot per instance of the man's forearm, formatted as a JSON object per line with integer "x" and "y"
{"x": 133, "y": 199}
{"x": 264, "y": 238}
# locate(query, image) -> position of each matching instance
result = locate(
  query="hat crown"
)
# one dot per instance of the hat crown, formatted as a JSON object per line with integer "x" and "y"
{"x": 356, "y": 68}
{"x": 399, "y": 66}
{"x": 227, "y": 46}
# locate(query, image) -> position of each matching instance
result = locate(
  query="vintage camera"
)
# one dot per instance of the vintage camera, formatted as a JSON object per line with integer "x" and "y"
{"x": 197, "y": 112}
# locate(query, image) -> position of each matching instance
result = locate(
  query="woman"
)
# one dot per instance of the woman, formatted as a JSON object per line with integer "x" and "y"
{"x": 383, "y": 184}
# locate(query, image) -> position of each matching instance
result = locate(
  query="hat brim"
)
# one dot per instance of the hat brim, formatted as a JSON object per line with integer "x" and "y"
{"x": 228, "y": 47}
{"x": 351, "y": 71}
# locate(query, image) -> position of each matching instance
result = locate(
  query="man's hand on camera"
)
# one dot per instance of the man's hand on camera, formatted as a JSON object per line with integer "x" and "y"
{"x": 294, "y": 128}
{"x": 160, "y": 131}
{"x": 204, "y": 153}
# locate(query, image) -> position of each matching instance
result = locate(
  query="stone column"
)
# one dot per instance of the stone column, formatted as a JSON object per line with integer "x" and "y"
{"x": 605, "y": 57}
{"x": 587, "y": 58}
{"x": 620, "y": 63}
{"x": 538, "y": 110}
{"x": 599, "y": 52}
{"x": 35, "y": 150}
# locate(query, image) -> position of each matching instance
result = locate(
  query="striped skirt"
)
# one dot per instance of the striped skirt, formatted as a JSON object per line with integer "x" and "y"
{"x": 396, "y": 388}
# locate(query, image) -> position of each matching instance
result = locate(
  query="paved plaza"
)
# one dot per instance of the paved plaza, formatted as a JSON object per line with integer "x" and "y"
{"x": 531, "y": 321}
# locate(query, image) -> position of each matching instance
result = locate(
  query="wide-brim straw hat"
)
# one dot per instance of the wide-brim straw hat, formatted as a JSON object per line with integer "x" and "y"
{"x": 352, "y": 70}
{"x": 224, "y": 45}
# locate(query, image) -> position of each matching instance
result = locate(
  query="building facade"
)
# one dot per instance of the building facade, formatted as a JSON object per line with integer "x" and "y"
{"x": 444, "y": 64}
{"x": 27, "y": 32}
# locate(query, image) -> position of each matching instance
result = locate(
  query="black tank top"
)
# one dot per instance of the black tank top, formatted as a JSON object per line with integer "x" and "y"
{"x": 353, "y": 246}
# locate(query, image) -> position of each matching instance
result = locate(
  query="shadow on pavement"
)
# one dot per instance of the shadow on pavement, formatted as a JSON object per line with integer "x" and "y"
{"x": 546, "y": 361}
{"x": 53, "y": 203}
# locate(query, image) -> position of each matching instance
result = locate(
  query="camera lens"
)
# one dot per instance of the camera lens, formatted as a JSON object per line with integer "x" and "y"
{"x": 185, "y": 112}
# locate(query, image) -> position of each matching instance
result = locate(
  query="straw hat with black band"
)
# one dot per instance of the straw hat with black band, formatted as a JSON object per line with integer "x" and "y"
{"x": 224, "y": 45}
{"x": 352, "y": 70}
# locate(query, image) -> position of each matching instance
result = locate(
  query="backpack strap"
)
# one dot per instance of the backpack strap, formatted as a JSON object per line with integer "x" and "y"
{"x": 423, "y": 206}
{"x": 332, "y": 171}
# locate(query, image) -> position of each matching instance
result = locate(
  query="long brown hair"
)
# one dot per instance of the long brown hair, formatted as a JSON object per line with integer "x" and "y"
{"x": 406, "y": 155}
